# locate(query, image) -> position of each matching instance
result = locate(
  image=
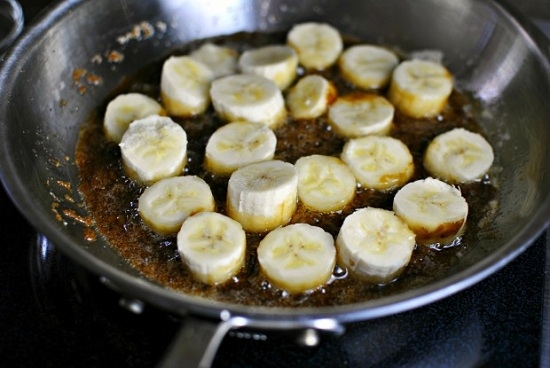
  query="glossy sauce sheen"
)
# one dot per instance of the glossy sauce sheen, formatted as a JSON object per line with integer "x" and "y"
{"x": 112, "y": 198}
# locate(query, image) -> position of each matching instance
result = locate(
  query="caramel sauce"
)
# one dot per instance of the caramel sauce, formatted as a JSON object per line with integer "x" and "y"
{"x": 112, "y": 198}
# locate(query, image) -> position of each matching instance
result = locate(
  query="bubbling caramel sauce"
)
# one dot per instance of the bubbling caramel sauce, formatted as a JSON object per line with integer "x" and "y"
{"x": 112, "y": 198}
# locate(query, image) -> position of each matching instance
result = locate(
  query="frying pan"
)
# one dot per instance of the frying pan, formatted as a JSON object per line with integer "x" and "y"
{"x": 68, "y": 63}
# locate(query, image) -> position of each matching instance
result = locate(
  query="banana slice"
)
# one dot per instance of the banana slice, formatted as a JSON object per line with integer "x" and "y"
{"x": 367, "y": 66}
{"x": 325, "y": 183}
{"x": 310, "y": 97}
{"x": 221, "y": 60}
{"x": 275, "y": 62}
{"x": 263, "y": 195}
{"x": 153, "y": 148}
{"x": 375, "y": 245}
{"x": 434, "y": 210}
{"x": 167, "y": 203}
{"x": 124, "y": 109}
{"x": 248, "y": 97}
{"x": 420, "y": 88}
{"x": 357, "y": 115}
{"x": 379, "y": 162}
{"x": 318, "y": 45}
{"x": 458, "y": 156}
{"x": 212, "y": 246}
{"x": 298, "y": 257}
{"x": 237, "y": 144}
{"x": 184, "y": 86}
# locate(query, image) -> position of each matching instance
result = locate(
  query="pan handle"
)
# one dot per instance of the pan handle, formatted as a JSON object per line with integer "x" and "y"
{"x": 196, "y": 343}
{"x": 198, "y": 339}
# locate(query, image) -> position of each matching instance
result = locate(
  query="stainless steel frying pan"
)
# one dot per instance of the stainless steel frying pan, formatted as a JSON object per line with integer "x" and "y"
{"x": 45, "y": 96}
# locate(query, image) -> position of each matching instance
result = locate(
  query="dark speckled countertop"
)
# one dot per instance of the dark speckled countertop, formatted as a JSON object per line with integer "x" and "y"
{"x": 54, "y": 314}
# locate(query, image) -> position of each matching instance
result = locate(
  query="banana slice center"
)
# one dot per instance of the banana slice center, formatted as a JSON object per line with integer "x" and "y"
{"x": 172, "y": 200}
{"x": 434, "y": 203}
{"x": 462, "y": 153}
{"x": 322, "y": 177}
{"x": 379, "y": 238}
{"x": 246, "y": 143}
{"x": 248, "y": 93}
{"x": 310, "y": 94}
{"x": 426, "y": 79}
{"x": 296, "y": 252}
{"x": 211, "y": 238}
{"x": 375, "y": 157}
{"x": 190, "y": 73}
{"x": 374, "y": 64}
{"x": 158, "y": 138}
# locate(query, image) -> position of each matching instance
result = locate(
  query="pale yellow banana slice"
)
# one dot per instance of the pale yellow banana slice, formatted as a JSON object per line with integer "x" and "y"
{"x": 318, "y": 45}
{"x": 374, "y": 244}
{"x": 212, "y": 246}
{"x": 458, "y": 156}
{"x": 434, "y": 210}
{"x": 167, "y": 203}
{"x": 238, "y": 144}
{"x": 420, "y": 88}
{"x": 325, "y": 183}
{"x": 153, "y": 148}
{"x": 379, "y": 162}
{"x": 184, "y": 86}
{"x": 124, "y": 109}
{"x": 367, "y": 66}
{"x": 248, "y": 97}
{"x": 357, "y": 115}
{"x": 310, "y": 97}
{"x": 298, "y": 257}
{"x": 263, "y": 195}
{"x": 275, "y": 62}
{"x": 221, "y": 60}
